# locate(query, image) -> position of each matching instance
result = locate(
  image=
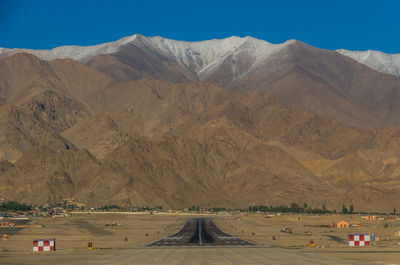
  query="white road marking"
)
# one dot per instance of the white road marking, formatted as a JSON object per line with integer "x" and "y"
{"x": 227, "y": 237}
{"x": 173, "y": 238}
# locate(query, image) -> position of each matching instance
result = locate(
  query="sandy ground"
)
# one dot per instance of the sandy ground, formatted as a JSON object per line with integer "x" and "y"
{"x": 73, "y": 234}
{"x": 329, "y": 241}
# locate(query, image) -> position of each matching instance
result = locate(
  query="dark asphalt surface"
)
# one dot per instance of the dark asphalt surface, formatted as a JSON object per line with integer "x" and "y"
{"x": 200, "y": 232}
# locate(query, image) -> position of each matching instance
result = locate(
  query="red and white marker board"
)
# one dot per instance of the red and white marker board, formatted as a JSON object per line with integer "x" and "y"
{"x": 358, "y": 240}
{"x": 44, "y": 245}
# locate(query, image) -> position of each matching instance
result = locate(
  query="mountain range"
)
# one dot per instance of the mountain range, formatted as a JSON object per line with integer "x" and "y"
{"x": 148, "y": 121}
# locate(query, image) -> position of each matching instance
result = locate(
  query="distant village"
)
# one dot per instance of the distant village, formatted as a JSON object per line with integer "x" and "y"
{"x": 12, "y": 209}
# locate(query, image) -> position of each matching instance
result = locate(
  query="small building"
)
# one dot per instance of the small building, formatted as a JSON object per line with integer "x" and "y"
{"x": 370, "y": 217}
{"x": 343, "y": 224}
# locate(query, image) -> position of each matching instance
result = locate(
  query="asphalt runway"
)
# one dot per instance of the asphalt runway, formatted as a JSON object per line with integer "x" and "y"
{"x": 200, "y": 232}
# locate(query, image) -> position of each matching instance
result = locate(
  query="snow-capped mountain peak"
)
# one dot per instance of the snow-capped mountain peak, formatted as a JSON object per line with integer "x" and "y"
{"x": 198, "y": 55}
{"x": 377, "y": 60}
{"x": 79, "y": 53}
{"x": 201, "y": 57}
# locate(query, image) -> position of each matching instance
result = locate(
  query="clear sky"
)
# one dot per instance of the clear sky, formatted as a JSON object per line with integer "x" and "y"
{"x": 353, "y": 25}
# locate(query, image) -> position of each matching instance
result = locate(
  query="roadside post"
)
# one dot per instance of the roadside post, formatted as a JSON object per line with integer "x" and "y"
{"x": 373, "y": 239}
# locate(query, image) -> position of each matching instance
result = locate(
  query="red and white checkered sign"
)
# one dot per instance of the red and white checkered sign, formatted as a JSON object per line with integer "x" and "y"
{"x": 44, "y": 245}
{"x": 359, "y": 240}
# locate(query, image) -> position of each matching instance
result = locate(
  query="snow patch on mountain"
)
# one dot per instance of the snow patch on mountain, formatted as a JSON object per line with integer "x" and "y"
{"x": 201, "y": 57}
{"x": 197, "y": 56}
{"x": 204, "y": 57}
{"x": 379, "y": 61}
{"x": 79, "y": 53}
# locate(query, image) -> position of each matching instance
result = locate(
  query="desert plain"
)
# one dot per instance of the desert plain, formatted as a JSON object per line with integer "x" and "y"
{"x": 126, "y": 243}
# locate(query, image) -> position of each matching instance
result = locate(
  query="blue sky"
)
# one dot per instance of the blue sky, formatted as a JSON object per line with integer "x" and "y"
{"x": 353, "y": 25}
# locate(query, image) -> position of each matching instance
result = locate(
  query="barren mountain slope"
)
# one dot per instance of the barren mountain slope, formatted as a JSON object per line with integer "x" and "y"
{"x": 20, "y": 130}
{"x": 157, "y": 108}
{"x": 323, "y": 81}
{"x": 24, "y": 77}
{"x": 174, "y": 172}
{"x": 154, "y": 142}
{"x": 328, "y": 83}
{"x": 43, "y": 176}
{"x": 313, "y": 141}
{"x": 217, "y": 164}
